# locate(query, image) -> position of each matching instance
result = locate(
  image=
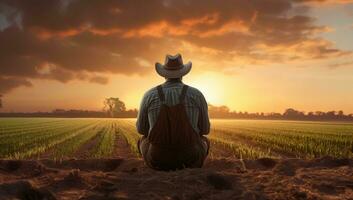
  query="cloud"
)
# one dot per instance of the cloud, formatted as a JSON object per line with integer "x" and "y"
{"x": 65, "y": 40}
{"x": 341, "y": 64}
{"x": 7, "y": 84}
{"x": 99, "y": 79}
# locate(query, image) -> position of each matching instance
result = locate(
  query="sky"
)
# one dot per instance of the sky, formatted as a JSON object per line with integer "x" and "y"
{"x": 254, "y": 55}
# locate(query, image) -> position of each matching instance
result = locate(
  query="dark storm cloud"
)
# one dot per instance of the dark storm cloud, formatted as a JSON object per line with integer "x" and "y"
{"x": 68, "y": 39}
{"x": 7, "y": 84}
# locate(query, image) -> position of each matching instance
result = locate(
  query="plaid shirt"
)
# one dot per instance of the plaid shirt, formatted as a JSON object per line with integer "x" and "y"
{"x": 196, "y": 107}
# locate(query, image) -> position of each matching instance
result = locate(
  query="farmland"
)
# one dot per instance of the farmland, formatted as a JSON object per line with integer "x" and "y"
{"x": 59, "y": 138}
{"x": 61, "y": 158}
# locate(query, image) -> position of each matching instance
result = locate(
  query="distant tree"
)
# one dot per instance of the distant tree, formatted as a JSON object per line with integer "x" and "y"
{"x": 219, "y": 111}
{"x": 320, "y": 113}
{"x": 340, "y": 113}
{"x": 331, "y": 114}
{"x": 274, "y": 114}
{"x": 114, "y": 106}
{"x": 59, "y": 110}
{"x": 290, "y": 112}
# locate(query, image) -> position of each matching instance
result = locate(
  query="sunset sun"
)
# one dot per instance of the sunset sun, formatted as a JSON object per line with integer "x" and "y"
{"x": 212, "y": 86}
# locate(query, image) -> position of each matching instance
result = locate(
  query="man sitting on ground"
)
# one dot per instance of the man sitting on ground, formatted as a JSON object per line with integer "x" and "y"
{"x": 173, "y": 118}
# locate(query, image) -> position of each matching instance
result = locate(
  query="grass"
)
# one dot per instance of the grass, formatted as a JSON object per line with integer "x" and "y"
{"x": 32, "y": 137}
{"x": 127, "y": 129}
{"x": 299, "y": 139}
{"x": 105, "y": 146}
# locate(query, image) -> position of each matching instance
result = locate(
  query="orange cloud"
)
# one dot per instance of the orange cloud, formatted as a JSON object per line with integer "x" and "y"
{"x": 83, "y": 38}
{"x": 47, "y": 34}
{"x": 309, "y": 49}
{"x": 207, "y": 19}
{"x": 229, "y": 27}
{"x": 164, "y": 29}
{"x": 158, "y": 29}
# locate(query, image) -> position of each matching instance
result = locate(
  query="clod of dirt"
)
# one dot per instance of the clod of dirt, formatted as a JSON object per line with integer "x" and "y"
{"x": 259, "y": 164}
{"x": 221, "y": 164}
{"x": 219, "y": 182}
{"x": 332, "y": 162}
{"x": 23, "y": 167}
{"x": 10, "y": 165}
{"x": 191, "y": 196}
{"x": 130, "y": 171}
{"x": 105, "y": 187}
{"x": 74, "y": 175}
{"x": 24, "y": 190}
{"x": 285, "y": 168}
{"x": 326, "y": 188}
{"x": 253, "y": 196}
{"x": 72, "y": 180}
{"x": 350, "y": 185}
{"x": 111, "y": 165}
{"x": 175, "y": 197}
{"x": 300, "y": 195}
{"x": 267, "y": 162}
{"x": 36, "y": 194}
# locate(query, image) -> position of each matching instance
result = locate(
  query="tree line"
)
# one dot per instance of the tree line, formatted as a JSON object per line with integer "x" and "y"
{"x": 115, "y": 108}
{"x": 288, "y": 114}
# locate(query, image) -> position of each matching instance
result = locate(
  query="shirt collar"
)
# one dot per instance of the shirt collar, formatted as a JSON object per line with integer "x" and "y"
{"x": 173, "y": 81}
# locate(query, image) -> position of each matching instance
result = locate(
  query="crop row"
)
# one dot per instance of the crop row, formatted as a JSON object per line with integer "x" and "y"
{"x": 65, "y": 138}
{"x": 298, "y": 143}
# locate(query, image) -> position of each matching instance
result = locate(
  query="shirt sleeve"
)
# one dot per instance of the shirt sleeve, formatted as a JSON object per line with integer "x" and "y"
{"x": 204, "y": 121}
{"x": 142, "y": 123}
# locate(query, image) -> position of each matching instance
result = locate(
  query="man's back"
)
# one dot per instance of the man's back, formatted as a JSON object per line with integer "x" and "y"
{"x": 195, "y": 104}
{"x": 172, "y": 119}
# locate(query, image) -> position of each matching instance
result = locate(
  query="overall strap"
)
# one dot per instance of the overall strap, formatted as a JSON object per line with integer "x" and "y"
{"x": 183, "y": 94}
{"x": 160, "y": 93}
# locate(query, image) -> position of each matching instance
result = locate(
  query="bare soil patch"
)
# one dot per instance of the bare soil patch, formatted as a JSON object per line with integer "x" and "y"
{"x": 122, "y": 147}
{"x": 324, "y": 178}
{"x": 84, "y": 151}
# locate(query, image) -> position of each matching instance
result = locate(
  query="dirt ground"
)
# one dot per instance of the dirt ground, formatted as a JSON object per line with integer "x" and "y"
{"x": 324, "y": 178}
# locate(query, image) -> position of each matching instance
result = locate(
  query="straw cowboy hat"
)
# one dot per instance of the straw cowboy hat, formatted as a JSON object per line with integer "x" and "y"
{"x": 173, "y": 67}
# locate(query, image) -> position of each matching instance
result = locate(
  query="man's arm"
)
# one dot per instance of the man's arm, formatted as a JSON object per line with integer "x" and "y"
{"x": 142, "y": 123}
{"x": 204, "y": 121}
